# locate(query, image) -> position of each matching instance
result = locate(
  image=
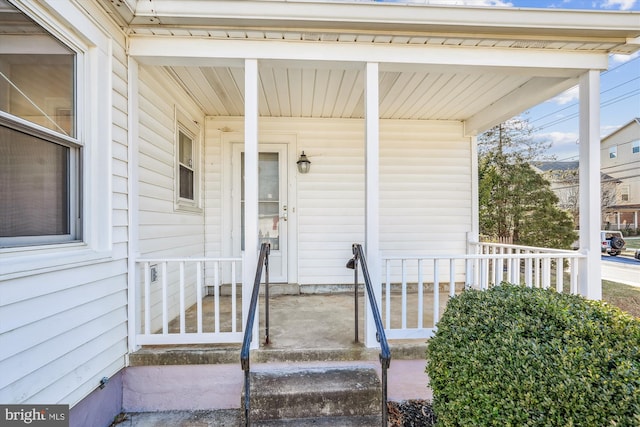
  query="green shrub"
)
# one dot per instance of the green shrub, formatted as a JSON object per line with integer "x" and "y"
{"x": 515, "y": 356}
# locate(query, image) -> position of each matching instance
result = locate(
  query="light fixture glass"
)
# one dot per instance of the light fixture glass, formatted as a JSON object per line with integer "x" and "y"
{"x": 303, "y": 163}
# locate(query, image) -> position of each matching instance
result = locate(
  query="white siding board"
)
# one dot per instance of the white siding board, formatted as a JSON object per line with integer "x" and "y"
{"x": 41, "y": 285}
{"x": 119, "y": 185}
{"x": 99, "y": 365}
{"x": 52, "y": 303}
{"x": 61, "y": 372}
{"x": 21, "y": 365}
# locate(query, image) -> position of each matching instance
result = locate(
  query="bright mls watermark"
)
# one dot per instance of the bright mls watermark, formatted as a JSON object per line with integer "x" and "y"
{"x": 34, "y": 415}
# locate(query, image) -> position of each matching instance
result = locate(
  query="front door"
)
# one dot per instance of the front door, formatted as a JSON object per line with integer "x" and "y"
{"x": 272, "y": 205}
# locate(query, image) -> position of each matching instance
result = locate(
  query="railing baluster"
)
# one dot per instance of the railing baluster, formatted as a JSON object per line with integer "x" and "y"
{"x": 574, "y": 277}
{"x": 181, "y": 296}
{"x": 484, "y": 280}
{"x": 147, "y": 298}
{"x": 165, "y": 314}
{"x": 528, "y": 272}
{"x": 559, "y": 275}
{"x": 234, "y": 310}
{"x": 216, "y": 298}
{"x": 499, "y": 267}
{"x": 420, "y": 295}
{"x": 546, "y": 273}
{"x": 388, "y": 296}
{"x": 404, "y": 295}
{"x": 199, "y": 296}
{"x": 436, "y": 292}
{"x": 452, "y": 277}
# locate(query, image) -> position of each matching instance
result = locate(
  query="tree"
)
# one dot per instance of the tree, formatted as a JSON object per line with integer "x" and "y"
{"x": 516, "y": 203}
{"x": 568, "y": 191}
{"x": 514, "y": 141}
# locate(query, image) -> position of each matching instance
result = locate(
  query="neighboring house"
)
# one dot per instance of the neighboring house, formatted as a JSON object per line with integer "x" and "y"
{"x": 563, "y": 177}
{"x": 137, "y": 131}
{"x": 564, "y": 180}
{"x": 620, "y": 158}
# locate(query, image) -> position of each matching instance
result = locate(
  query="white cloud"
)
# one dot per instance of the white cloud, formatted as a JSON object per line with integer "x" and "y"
{"x": 567, "y": 96}
{"x": 619, "y": 4}
{"x": 618, "y": 59}
{"x": 564, "y": 145}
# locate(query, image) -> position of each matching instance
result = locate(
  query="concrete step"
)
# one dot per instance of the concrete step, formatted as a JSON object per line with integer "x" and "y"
{"x": 354, "y": 421}
{"x": 315, "y": 392}
{"x": 203, "y": 418}
{"x": 216, "y": 354}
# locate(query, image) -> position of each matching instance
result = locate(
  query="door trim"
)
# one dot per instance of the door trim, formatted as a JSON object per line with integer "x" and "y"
{"x": 228, "y": 139}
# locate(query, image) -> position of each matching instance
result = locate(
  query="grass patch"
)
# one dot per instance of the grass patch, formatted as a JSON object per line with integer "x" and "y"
{"x": 626, "y": 298}
{"x": 632, "y": 242}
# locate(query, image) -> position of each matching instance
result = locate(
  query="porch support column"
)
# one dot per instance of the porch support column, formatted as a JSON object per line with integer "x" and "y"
{"x": 589, "y": 269}
{"x": 372, "y": 195}
{"x": 250, "y": 259}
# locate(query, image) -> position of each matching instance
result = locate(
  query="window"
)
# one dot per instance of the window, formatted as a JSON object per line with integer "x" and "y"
{"x": 635, "y": 146}
{"x": 613, "y": 152}
{"x": 39, "y": 149}
{"x": 624, "y": 193}
{"x": 187, "y": 163}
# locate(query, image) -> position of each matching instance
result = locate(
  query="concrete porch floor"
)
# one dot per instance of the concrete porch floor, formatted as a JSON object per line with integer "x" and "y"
{"x": 306, "y": 329}
{"x": 308, "y": 326}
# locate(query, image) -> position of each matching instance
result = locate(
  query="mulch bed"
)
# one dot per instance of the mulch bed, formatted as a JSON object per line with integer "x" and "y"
{"x": 411, "y": 413}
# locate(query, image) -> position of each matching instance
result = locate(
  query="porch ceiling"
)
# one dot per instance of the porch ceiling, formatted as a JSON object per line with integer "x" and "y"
{"x": 310, "y": 91}
{"x": 490, "y": 63}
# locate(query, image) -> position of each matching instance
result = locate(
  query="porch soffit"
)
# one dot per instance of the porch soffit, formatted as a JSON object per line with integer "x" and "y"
{"x": 480, "y": 93}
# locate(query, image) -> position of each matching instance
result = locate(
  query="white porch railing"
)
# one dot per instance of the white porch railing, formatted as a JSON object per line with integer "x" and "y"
{"x": 176, "y": 309}
{"x": 491, "y": 264}
{"x": 170, "y": 304}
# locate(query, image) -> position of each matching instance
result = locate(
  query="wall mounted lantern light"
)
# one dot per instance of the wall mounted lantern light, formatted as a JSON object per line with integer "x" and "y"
{"x": 303, "y": 163}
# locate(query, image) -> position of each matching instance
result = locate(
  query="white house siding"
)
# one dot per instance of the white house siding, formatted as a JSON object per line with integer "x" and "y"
{"x": 165, "y": 230}
{"x": 425, "y": 193}
{"x": 63, "y": 312}
{"x": 425, "y": 198}
{"x": 425, "y": 187}
{"x": 623, "y": 168}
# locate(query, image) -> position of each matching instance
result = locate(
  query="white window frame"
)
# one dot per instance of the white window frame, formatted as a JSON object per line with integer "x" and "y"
{"x": 93, "y": 121}
{"x": 635, "y": 146}
{"x": 613, "y": 152}
{"x": 624, "y": 193}
{"x": 188, "y": 127}
{"x": 75, "y": 154}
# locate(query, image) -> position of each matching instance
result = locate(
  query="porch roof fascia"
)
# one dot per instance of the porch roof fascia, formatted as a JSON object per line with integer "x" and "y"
{"x": 621, "y": 28}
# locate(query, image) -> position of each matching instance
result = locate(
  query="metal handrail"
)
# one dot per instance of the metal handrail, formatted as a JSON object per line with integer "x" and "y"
{"x": 263, "y": 261}
{"x": 385, "y": 352}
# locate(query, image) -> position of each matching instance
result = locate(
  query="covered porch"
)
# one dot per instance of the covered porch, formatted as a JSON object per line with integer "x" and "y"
{"x": 385, "y": 101}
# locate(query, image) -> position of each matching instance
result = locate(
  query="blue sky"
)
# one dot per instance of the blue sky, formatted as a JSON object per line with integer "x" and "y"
{"x": 556, "y": 120}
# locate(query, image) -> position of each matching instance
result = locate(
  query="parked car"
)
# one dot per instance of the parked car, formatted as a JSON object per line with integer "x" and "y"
{"x": 637, "y": 255}
{"x": 612, "y": 242}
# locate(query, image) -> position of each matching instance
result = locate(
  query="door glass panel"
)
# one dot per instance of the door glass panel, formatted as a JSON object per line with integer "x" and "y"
{"x": 268, "y": 200}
